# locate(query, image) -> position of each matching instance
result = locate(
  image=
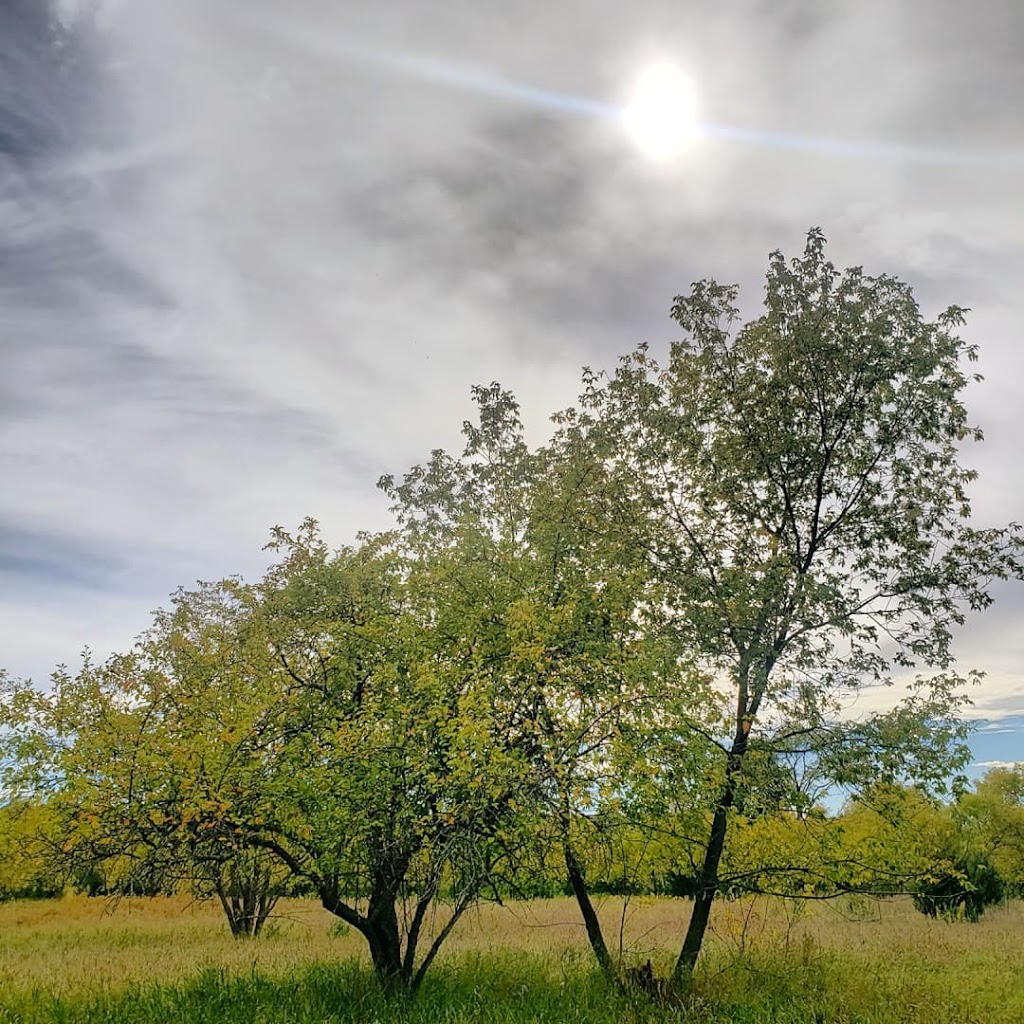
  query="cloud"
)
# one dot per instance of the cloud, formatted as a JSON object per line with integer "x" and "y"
{"x": 51, "y": 558}
{"x": 242, "y": 275}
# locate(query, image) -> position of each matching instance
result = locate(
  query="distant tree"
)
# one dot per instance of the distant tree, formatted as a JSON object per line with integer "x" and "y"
{"x": 899, "y": 840}
{"x": 961, "y": 888}
{"x": 796, "y": 484}
{"x": 248, "y": 885}
{"x": 991, "y": 819}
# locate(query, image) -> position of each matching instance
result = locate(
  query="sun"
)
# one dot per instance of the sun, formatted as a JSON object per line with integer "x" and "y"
{"x": 661, "y": 115}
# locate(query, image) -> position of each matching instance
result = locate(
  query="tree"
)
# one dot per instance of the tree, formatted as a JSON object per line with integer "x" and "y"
{"x": 553, "y": 608}
{"x": 796, "y": 485}
{"x": 422, "y": 746}
{"x": 316, "y": 723}
{"x": 961, "y": 888}
{"x": 991, "y": 819}
{"x": 248, "y": 883}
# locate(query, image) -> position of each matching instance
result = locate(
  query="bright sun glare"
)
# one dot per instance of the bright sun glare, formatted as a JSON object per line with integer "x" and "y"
{"x": 661, "y": 115}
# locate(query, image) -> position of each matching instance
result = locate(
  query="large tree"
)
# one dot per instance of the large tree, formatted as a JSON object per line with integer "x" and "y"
{"x": 796, "y": 484}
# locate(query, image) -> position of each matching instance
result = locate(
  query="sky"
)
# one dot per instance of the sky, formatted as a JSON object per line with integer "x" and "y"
{"x": 253, "y": 256}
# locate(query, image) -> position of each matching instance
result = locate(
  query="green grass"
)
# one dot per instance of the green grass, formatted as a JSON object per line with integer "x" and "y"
{"x": 509, "y": 991}
{"x": 525, "y": 964}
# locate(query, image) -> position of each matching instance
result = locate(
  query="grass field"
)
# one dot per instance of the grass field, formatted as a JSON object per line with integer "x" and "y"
{"x": 166, "y": 960}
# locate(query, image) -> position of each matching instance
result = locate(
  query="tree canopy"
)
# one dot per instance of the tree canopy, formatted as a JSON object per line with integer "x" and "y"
{"x": 633, "y": 651}
{"x": 796, "y": 484}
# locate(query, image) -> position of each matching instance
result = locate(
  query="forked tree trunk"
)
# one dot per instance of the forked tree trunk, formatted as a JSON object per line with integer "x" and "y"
{"x": 248, "y": 898}
{"x": 394, "y": 954}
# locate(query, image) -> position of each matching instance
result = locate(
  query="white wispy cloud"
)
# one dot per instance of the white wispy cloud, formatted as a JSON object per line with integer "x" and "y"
{"x": 251, "y": 273}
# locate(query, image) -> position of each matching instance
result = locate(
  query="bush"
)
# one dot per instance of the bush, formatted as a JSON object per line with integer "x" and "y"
{"x": 961, "y": 889}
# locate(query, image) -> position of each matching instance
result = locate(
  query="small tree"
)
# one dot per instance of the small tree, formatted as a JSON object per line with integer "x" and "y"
{"x": 247, "y": 882}
{"x": 314, "y": 726}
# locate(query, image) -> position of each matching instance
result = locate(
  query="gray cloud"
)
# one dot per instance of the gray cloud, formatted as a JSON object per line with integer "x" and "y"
{"x": 250, "y": 259}
{"x": 42, "y": 559}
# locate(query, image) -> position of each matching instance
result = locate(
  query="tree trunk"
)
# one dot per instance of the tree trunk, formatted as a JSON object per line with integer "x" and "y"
{"x": 708, "y": 881}
{"x": 706, "y": 893}
{"x": 247, "y": 898}
{"x": 590, "y": 918}
{"x": 385, "y": 944}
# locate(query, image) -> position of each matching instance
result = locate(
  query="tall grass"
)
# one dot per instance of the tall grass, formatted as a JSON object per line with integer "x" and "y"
{"x": 162, "y": 960}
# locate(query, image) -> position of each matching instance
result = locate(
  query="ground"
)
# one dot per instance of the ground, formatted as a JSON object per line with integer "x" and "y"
{"x": 80, "y": 959}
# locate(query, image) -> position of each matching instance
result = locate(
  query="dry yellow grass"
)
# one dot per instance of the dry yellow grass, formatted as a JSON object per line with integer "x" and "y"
{"x": 78, "y": 945}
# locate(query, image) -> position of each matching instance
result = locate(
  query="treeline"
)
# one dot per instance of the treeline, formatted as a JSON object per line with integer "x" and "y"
{"x": 888, "y": 840}
{"x": 625, "y": 657}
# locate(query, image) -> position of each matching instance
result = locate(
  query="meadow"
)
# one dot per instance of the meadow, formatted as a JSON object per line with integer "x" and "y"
{"x": 161, "y": 960}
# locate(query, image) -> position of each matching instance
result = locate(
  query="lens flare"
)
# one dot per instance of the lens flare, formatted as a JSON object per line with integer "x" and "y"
{"x": 662, "y": 115}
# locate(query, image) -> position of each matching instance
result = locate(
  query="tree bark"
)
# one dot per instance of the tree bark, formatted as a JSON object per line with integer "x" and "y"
{"x": 385, "y": 944}
{"x": 708, "y": 880}
{"x": 590, "y": 918}
{"x": 701, "y": 913}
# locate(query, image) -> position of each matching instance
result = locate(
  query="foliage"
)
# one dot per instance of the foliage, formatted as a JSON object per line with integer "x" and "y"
{"x": 890, "y": 837}
{"x": 556, "y": 607}
{"x": 900, "y": 840}
{"x": 315, "y": 723}
{"x": 796, "y": 484}
{"x": 959, "y": 889}
{"x": 991, "y": 818}
{"x": 25, "y": 871}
